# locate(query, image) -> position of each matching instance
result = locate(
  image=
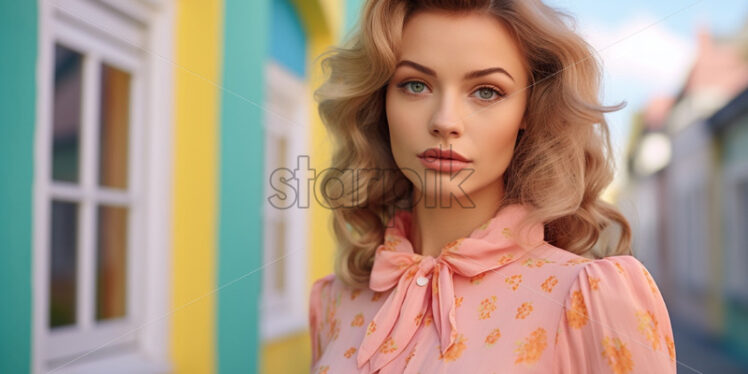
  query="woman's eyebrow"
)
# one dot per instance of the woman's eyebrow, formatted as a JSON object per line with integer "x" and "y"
{"x": 470, "y": 75}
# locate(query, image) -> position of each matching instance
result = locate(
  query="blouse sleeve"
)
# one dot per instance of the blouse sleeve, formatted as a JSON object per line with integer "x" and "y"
{"x": 320, "y": 290}
{"x": 614, "y": 321}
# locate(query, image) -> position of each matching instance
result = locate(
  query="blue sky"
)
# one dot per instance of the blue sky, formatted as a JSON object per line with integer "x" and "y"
{"x": 722, "y": 15}
{"x": 647, "y": 47}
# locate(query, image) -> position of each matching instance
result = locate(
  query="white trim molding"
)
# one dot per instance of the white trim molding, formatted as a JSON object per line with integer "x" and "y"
{"x": 283, "y": 311}
{"x": 121, "y": 34}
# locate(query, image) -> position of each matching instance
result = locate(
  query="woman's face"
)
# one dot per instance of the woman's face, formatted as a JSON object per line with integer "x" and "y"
{"x": 454, "y": 89}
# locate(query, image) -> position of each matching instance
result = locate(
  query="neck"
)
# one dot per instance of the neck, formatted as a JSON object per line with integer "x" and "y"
{"x": 433, "y": 227}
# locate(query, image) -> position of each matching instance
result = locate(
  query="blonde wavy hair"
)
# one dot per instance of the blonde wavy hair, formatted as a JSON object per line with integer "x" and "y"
{"x": 562, "y": 161}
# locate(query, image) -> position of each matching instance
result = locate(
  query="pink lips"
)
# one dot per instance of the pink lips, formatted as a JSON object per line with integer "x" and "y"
{"x": 443, "y": 160}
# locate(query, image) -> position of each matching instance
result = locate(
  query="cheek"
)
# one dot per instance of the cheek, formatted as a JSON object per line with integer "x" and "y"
{"x": 496, "y": 141}
{"x": 403, "y": 125}
{"x": 499, "y": 146}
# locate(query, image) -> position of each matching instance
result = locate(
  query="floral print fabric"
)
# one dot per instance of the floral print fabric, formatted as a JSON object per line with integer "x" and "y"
{"x": 500, "y": 300}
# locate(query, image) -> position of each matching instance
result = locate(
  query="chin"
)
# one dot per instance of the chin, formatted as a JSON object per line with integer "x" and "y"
{"x": 448, "y": 193}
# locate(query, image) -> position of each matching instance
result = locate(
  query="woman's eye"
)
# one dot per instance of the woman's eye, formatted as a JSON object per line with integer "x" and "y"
{"x": 484, "y": 93}
{"x": 416, "y": 87}
{"x": 487, "y": 93}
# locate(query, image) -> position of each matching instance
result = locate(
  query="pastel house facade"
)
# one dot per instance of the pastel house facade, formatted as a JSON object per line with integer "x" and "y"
{"x": 138, "y": 139}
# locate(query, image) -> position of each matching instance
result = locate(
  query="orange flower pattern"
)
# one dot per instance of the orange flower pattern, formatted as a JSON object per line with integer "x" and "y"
{"x": 524, "y": 310}
{"x": 390, "y": 243}
{"x": 619, "y": 268}
{"x": 487, "y": 306}
{"x": 617, "y": 355}
{"x": 455, "y": 350}
{"x": 648, "y": 327}
{"x": 505, "y": 259}
{"x": 410, "y": 355}
{"x": 435, "y": 283}
{"x": 371, "y": 328}
{"x": 535, "y": 262}
{"x": 476, "y": 279}
{"x": 342, "y": 310}
{"x": 349, "y": 352}
{"x": 411, "y": 273}
{"x": 418, "y": 319}
{"x": 576, "y": 314}
{"x": 670, "y": 344}
{"x": 355, "y": 293}
{"x": 514, "y": 281}
{"x": 530, "y": 350}
{"x": 493, "y": 337}
{"x": 428, "y": 320}
{"x": 358, "y": 320}
{"x": 650, "y": 281}
{"x": 333, "y": 323}
{"x": 549, "y": 283}
{"x": 453, "y": 245}
{"x": 388, "y": 346}
{"x": 507, "y": 232}
{"x": 577, "y": 261}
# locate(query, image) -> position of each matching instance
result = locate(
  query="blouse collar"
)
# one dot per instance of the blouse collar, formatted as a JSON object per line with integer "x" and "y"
{"x": 490, "y": 246}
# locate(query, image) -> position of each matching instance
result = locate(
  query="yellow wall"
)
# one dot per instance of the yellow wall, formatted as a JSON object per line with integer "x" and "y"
{"x": 323, "y": 20}
{"x": 289, "y": 355}
{"x": 198, "y": 43}
{"x": 322, "y": 35}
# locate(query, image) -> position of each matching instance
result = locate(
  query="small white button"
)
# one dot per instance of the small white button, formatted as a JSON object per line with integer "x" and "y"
{"x": 422, "y": 281}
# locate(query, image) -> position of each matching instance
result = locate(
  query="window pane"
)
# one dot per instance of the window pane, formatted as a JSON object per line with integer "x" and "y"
{"x": 63, "y": 263}
{"x": 743, "y": 193}
{"x": 282, "y": 161}
{"x": 279, "y": 146}
{"x": 111, "y": 262}
{"x": 66, "y": 114}
{"x": 279, "y": 260}
{"x": 114, "y": 127}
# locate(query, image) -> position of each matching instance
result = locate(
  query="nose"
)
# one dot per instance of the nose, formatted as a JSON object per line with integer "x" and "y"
{"x": 446, "y": 121}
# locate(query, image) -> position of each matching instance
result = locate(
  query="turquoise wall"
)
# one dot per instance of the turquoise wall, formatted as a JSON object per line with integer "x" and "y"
{"x": 18, "y": 41}
{"x": 352, "y": 13}
{"x": 735, "y": 152}
{"x": 735, "y": 140}
{"x": 736, "y": 318}
{"x": 288, "y": 44}
{"x": 241, "y": 184}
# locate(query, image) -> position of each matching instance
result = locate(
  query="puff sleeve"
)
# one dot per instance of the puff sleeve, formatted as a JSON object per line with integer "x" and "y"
{"x": 614, "y": 321}
{"x": 319, "y": 292}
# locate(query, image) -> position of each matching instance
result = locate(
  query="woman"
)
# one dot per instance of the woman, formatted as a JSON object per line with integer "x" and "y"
{"x": 466, "y": 233}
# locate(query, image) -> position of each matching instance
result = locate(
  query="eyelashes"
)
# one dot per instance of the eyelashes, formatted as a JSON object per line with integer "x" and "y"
{"x": 496, "y": 93}
{"x": 499, "y": 94}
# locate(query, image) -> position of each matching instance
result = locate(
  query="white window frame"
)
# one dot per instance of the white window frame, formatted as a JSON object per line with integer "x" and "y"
{"x": 285, "y": 313}
{"x": 122, "y": 34}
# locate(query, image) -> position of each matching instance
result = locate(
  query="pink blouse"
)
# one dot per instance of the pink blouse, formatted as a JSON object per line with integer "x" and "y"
{"x": 488, "y": 304}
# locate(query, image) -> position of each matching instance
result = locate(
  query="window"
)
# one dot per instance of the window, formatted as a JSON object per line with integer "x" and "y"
{"x": 692, "y": 237}
{"x": 742, "y": 217}
{"x": 100, "y": 227}
{"x": 736, "y": 243}
{"x": 284, "y": 275}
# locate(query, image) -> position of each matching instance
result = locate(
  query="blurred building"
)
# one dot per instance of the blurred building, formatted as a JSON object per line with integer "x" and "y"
{"x": 687, "y": 196}
{"x": 138, "y": 139}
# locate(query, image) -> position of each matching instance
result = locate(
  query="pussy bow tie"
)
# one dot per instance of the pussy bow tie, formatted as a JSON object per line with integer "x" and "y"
{"x": 416, "y": 277}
